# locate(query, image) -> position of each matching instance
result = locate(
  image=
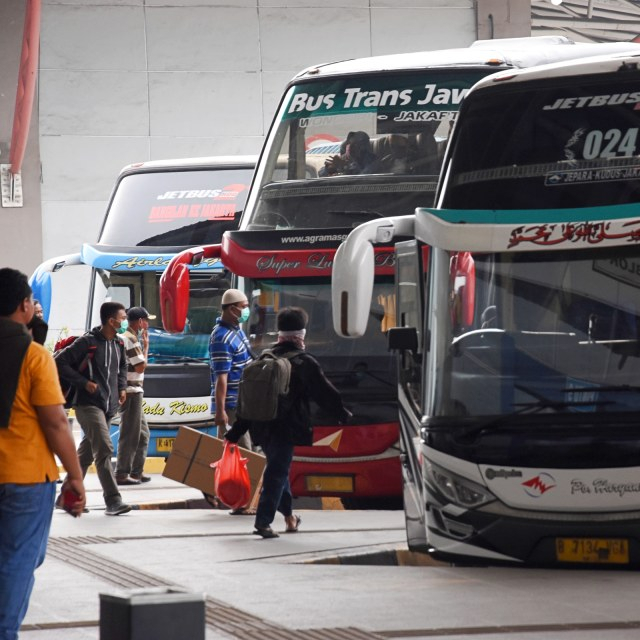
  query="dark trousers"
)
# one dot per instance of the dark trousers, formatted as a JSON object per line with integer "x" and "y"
{"x": 276, "y": 491}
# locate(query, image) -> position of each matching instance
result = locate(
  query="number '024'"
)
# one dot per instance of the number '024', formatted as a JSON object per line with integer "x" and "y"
{"x": 610, "y": 144}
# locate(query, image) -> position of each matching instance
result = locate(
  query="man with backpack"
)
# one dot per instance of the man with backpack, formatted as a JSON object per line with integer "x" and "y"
{"x": 96, "y": 366}
{"x": 292, "y": 424}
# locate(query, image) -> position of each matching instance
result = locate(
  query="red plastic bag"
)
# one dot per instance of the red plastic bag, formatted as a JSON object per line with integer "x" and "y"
{"x": 232, "y": 483}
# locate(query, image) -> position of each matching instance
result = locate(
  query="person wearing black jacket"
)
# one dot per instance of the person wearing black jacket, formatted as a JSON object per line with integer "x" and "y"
{"x": 96, "y": 365}
{"x": 293, "y": 425}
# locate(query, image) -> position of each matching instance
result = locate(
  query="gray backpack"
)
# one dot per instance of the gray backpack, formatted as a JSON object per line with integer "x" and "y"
{"x": 264, "y": 386}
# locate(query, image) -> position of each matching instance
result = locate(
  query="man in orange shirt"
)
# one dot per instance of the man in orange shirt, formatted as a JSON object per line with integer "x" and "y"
{"x": 33, "y": 427}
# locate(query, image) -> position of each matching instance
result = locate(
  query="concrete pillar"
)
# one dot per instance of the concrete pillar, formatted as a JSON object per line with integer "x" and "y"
{"x": 20, "y": 228}
{"x": 503, "y": 19}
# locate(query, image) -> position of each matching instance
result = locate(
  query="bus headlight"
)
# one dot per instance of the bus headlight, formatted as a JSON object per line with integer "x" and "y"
{"x": 459, "y": 490}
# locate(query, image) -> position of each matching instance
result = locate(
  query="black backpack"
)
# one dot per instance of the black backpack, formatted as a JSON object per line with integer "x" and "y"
{"x": 68, "y": 390}
{"x": 264, "y": 386}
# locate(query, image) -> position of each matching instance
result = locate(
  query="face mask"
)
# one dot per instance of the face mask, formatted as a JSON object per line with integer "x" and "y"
{"x": 124, "y": 325}
{"x": 244, "y": 315}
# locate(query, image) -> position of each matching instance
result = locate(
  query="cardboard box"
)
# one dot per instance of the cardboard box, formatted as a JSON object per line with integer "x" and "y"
{"x": 192, "y": 454}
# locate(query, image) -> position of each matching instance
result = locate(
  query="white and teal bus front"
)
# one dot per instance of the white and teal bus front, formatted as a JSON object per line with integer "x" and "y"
{"x": 528, "y": 437}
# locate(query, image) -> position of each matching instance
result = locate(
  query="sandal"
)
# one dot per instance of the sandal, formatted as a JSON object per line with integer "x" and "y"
{"x": 294, "y": 529}
{"x": 266, "y": 532}
{"x": 243, "y": 511}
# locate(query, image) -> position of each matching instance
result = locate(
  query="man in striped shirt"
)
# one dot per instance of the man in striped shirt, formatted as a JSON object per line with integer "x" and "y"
{"x": 134, "y": 431}
{"x": 229, "y": 352}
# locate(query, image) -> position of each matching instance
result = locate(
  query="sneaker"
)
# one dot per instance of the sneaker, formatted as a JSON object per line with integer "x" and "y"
{"x": 125, "y": 480}
{"x": 266, "y": 532}
{"x": 141, "y": 478}
{"x": 117, "y": 508}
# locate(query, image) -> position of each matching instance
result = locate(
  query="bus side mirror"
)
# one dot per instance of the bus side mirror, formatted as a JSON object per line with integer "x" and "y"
{"x": 402, "y": 339}
{"x": 174, "y": 295}
{"x": 352, "y": 288}
{"x": 40, "y": 283}
{"x": 463, "y": 288}
{"x": 175, "y": 286}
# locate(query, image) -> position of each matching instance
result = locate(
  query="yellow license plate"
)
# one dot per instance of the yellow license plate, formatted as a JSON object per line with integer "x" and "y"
{"x": 339, "y": 484}
{"x": 164, "y": 444}
{"x": 592, "y": 550}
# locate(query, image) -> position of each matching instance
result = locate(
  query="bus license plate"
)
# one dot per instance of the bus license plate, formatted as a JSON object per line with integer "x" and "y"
{"x": 164, "y": 444}
{"x": 592, "y": 550}
{"x": 339, "y": 484}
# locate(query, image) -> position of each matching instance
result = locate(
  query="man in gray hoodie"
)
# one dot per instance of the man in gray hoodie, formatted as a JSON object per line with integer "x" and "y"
{"x": 95, "y": 364}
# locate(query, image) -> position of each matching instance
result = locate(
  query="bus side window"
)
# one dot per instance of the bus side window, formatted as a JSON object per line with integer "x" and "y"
{"x": 409, "y": 314}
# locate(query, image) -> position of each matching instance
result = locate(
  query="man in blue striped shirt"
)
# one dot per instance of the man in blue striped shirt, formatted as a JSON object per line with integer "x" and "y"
{"x": 229, "y": 352}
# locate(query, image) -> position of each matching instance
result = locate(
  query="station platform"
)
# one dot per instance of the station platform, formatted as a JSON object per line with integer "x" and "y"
{"x": 346, "y": 575}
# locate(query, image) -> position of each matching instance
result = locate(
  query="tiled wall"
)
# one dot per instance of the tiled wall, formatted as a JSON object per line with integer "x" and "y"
{"x": 130, "y": 80}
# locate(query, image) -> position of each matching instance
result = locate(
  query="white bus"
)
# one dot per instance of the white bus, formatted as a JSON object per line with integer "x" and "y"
{"x": 156, "y": 209}
{"x": 519, "y": 323}
{"x": 298, "y": 212}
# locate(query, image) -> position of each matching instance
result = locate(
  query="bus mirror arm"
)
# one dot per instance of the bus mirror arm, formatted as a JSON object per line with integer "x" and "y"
{"x": 175, "y": 287}
{"x": 40, "y": 280}
{"x": 354, "y": 271}
{"x": 402, "y": 339}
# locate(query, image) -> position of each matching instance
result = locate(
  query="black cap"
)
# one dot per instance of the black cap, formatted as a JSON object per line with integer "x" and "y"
{"x": 139, "y": 313}
{"x": 292, "y": 319}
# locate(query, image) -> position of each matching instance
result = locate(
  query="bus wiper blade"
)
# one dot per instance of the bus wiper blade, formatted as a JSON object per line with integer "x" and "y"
{"x": 358, "y": 212}
{"x": 612, "y": 388}
{"x": 359, "y": 372}
{"x": 172, "y": 358}
{"x": 528, "y": 408}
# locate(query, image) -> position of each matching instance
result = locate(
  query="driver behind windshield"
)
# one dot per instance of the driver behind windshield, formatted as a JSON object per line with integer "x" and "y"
{"x": 355, "y": 157}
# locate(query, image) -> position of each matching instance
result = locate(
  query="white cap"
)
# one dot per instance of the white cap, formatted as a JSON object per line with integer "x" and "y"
{"x": 232, "y": 296}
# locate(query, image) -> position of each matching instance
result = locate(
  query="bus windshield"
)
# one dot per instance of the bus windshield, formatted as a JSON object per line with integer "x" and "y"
{"x": 141, "y": 288}
{"x": 350, "y": 149}
{"x": 567, "y": 143}
{"x": 361, "y": 365}
{"x": 175, "y": 208}
{"x": 538, "y": 332}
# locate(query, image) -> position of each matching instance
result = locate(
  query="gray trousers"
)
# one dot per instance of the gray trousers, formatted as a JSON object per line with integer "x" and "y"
{"x": 134, "y": 437}
{"x": 96, "y": 447}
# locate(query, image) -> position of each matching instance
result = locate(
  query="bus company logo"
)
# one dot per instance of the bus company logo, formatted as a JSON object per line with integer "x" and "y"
{"x": 231, "y": 191}
{"x": 604, "y": 486}
{"x": 547, "y": 235}
{"x": 605, "y": 100}
{"x": 137, "y": 262}
{"x": 539, "y": 485}
{"x": 424, "y": 116}
{"x": 385, "y": 259}
{"x": 193, "y": 193}
{"x": 492, "y": 474}
{"x": 277, "y": 265}
{"x": 320, "y": 261}
{"x": 181, "y": 408}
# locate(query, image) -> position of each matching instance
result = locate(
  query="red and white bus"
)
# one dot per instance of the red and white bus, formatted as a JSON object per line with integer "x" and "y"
{"x": 296, "y": 216}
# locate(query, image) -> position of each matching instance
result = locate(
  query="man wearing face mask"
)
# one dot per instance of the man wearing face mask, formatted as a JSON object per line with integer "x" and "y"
{"x": 229, "y": 353}
{"x": 95, "y": 364}
{"x": 134, "y": 431}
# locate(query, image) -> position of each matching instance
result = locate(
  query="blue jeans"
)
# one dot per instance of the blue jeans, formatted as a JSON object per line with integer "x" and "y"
{"x": 25, "y": 520}
{"x": 276, "y": 491}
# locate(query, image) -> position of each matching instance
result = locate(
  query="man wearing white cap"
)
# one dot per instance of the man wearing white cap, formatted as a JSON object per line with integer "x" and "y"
{"x": 229, "y": 353}
{"x": 134, "y": 431}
